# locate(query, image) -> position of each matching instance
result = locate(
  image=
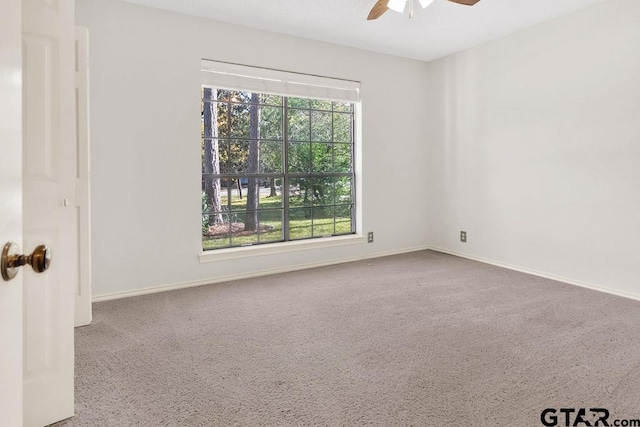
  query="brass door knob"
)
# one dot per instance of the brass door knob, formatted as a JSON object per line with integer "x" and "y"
{"x": 39, "y": 260}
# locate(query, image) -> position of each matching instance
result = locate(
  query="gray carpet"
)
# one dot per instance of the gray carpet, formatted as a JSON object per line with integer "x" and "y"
{"x": 422, "y": 339}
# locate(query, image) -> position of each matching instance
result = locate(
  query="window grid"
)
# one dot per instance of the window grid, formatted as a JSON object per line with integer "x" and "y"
{"x": 290, "y": 180}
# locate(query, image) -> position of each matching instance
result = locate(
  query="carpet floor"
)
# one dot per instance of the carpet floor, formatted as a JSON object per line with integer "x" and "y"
{"x": 423, "y": 339}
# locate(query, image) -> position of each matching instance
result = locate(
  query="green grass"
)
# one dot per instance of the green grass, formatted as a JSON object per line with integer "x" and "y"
{"x": 301, "y": 225}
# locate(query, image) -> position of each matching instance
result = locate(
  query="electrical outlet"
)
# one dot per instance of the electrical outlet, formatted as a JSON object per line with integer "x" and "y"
{"x": 370, "y": 237}
{"x": 463, "y": 236}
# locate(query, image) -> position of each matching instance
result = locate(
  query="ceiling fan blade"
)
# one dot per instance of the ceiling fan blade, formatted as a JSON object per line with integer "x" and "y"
{"x": 465, "y": 2}
{"x": 378, "y": 10}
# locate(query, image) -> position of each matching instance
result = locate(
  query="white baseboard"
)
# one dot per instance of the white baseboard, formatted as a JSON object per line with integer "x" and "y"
{"x": 184, "y": 285}
{"x": 538, "y": 273}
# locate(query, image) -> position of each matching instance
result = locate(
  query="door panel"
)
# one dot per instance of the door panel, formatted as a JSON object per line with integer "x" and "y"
{"x": 50, "y": 216}
{"x": 10, "y": 210}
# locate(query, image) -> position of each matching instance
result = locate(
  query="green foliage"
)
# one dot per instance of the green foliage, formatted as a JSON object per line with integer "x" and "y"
{"x": 313, "y": 149}
{"x": 271, "y": 134}
{"x": 320, "y": 138}
{"x": 320, "y": 131}
{"x": 205, "y": 209}
{"x": 233, "y": 122}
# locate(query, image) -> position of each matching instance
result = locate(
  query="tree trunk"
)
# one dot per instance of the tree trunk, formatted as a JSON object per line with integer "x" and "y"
{"x": 212, "y": 158}
{"x": 272, "y": 187}
{"x": 253, "y": 187}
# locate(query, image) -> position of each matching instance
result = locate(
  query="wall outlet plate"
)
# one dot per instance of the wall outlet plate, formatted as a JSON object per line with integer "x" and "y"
{"x": 463, "y": 236}
{"x": 370, "y": 237}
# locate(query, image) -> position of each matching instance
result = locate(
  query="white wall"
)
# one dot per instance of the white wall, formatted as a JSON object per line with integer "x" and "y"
{"x": 534, "y": 148}
{"x": 145, "y": 136}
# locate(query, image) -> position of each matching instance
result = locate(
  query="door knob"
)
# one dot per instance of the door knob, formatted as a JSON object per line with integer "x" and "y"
{"x": 39, "y": 260}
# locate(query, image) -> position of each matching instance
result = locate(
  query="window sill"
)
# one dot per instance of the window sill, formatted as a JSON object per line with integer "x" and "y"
{"x": 278, "y": 248}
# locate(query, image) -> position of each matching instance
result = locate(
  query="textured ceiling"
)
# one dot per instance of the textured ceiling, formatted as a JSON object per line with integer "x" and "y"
{"x": 439, "y": 30}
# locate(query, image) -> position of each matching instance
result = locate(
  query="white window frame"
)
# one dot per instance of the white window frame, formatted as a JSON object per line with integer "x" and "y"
{"x": 266, "y": 80}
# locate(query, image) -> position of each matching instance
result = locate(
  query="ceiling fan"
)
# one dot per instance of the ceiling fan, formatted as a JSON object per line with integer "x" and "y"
{"x": 382, "y": 6}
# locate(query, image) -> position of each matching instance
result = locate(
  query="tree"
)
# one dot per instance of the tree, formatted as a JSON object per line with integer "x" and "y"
{"x": 253, "y": 160}
{"x": 272, "y": 188}
{"x": 233, "y": 125}
{"x": 271, "y": 130}
{"x": 211, "y": 157}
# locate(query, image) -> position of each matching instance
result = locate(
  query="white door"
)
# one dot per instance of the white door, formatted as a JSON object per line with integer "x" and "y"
{"x": 10, "y": 211}
{"x": 50, "y": 168}
{"x": 83, "y": 203}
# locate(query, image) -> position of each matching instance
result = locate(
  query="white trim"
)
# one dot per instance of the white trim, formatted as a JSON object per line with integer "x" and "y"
{"x": 537, "y": 273}
{"x": 184, "y": 285}
{"x": 267, "y": 80}
{"x": 286, "y": 83}
{"x": 279, "y": 248}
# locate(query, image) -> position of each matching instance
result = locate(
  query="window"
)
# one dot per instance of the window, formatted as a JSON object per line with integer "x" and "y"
{"x": 275, "y": 167}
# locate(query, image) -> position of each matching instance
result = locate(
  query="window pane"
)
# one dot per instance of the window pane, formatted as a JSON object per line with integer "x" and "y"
{"x": 270, "y": 123}
{"x": 273, "y": 192}
{"x": 343, "y": 191}
{"x": 211, "y": 151}
{"x": 300, "y": 191}
{"x": 213, "y": 194}
{"x": 341, "y": 127}
{"x": 206, "y": 204}
{"x": 300, "y": 223}
{"x": 266, "y": 200}
{"x": 342, "y": 106}
{"x": 240, "y": 195}
{"x": 224, "y": 193}
{"x": 222, "y": 111}
{"x": 343, "y": 220}
{"x": 217, "y": 107}
{"x": 240, "y": 123}
{"x": 320, "y": 126}
{"x": 299, "y": 157}
{"x": 236, "y": 162}
{"x": 322, "y": 157}
{"x": 224, "y": 95}
{"x": 271, "y": 225}
{"x": 234, "y": 96}
{"x": 244, "y": 229}
{"x": 298, "y": 102}
{"x": 270, "y": 99}
{"x": 233, "y": 115}
{"x": 299, "y": 124}
{"x": 217, "y": 104}
{"x": 323, "y": 221}
{"x": 342, "y": 161}
{"x": 270, "y": 157}
{"x": 214, "y": 198}
{"x": 237, "y": 156}
{"x": 238, "y": 200}
{"x": 320, "y": 104}
{"x": 224, "y": 151}
{"x": 215, "y": 236}
{"x": 321, "y": 191}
